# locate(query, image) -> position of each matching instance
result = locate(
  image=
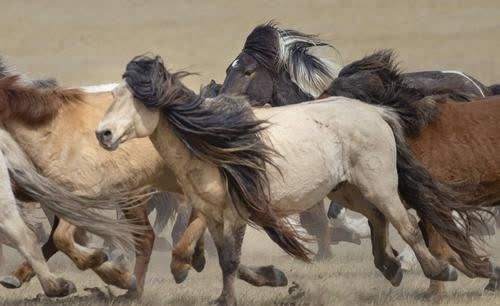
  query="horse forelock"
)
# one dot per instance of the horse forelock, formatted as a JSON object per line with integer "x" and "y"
{"x": 263, "y": 45}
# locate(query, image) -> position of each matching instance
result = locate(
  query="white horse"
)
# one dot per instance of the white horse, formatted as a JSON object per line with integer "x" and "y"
{"x": 235, "y": 173}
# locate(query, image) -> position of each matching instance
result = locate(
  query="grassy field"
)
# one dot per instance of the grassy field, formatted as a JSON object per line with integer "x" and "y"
{"x": 348, "y": 279}
{"x": 89, "y": 42}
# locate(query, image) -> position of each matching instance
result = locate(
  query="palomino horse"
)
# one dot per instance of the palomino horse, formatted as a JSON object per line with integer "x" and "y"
{"x": 239, "y": 165}
{"x": 15, "y": 167}
{"x": 262, "y": 62}
{"x": 63, "y": 147}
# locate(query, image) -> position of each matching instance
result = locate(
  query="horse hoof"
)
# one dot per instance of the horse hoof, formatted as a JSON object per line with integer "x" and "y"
{"x": 323, "y": 256}
{"x": 179, "y": 278}
{"x": 281, "y": 279}
{"x": 396, "y": 279}
{"x": 199, "y": 263}
{"x": 132, "y": 285}
{"x": 62, "y": 288}
{"x": 449, "y": 274}
{"x": 10, "y": 282}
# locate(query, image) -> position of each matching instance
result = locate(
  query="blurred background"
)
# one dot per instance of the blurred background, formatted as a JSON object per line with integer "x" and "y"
{"x": 90, "y": 42}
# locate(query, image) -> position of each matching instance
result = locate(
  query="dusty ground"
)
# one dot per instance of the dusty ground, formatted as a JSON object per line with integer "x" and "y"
{"x": 89, "y": 42}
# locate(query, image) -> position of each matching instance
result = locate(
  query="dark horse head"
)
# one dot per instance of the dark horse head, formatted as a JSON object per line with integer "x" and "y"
{"x": 277, "y": 66}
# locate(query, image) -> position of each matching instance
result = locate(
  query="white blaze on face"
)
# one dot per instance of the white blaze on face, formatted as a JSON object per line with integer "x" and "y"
{"x": 235, "y": 63}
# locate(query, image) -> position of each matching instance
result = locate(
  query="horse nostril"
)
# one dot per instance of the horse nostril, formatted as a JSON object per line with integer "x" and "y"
{"x": 104, "y": 136}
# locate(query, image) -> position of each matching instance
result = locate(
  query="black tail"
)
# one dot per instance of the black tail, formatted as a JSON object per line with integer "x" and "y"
{"x": 495, "y": 89}
{"x": 436, "y": 203}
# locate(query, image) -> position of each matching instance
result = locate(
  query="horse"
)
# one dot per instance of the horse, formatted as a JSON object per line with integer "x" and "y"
{"x": 239, "y": 165}
{"x": 79, "y": 209}
{"x": 278, "y": 66}
{"x": 262, "y": 62}
{"x": 54, "y": 130}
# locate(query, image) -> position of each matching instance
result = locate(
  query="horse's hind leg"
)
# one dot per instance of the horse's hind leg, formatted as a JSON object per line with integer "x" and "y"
{"x": 442, "y": 250}
{"x": 315, "y": 222}
{"x": 386, "y": 198}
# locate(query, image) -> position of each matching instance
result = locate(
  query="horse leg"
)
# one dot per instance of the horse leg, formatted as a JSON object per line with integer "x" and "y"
{"x": 390, "y": 205}
{"x": 144, "y": 247}
{"x": 442, "y": 250}
{"x": 24, "y": 272}
{"x": 83, "y": 257}
{"x": 228, "y": 238}
{"x": 182, "y": 255}
{"x": 383, "y": 254}
{"x": 315, "y": 222}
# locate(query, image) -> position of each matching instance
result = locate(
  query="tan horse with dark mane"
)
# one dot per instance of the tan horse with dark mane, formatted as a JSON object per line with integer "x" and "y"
{"x": 55, "y": 128}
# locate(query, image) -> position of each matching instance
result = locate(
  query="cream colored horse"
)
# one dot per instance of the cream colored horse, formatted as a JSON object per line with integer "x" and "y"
{"x": 341, "y": 148}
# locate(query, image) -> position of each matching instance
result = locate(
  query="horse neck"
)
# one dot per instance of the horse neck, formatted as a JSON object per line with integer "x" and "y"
{"x": 175, "y": 154}
{"x": 286, "y": 92}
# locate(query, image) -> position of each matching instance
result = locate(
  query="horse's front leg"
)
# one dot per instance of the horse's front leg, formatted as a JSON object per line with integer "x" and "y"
{"x": 189, "y": 250}
{"x": 228, "y": 238}
{"x": 315, "y": 222}
{"x": 144, "y": 248}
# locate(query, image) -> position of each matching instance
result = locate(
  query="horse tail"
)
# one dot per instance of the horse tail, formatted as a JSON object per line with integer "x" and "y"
{"x": 437, "y": 203}
{"x": 81, "y": 211}
{"x": 165, "y": 204}
{"x": 495, "y": 89}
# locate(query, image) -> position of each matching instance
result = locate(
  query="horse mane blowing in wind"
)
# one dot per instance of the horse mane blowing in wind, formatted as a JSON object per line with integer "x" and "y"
{"x": 224, "y": 134}
{"x": 283, "y": 58}
{"x": 376, "y": 79}
{"x": 304, "y": 154}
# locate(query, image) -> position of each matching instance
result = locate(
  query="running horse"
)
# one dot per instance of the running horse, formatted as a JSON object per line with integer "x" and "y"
{"x": 239, "y": 165}
{"x": 53, "y": 129}
{"x": 271, "y": 55}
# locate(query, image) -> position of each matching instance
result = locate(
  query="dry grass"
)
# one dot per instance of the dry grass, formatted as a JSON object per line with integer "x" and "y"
{"x": 89, "y": 42}
{"x": 348, "y": 279}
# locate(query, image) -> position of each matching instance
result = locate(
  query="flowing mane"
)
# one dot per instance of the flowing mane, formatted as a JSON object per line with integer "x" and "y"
{"x": 221, "y": 131}
{"x": 32, "y": 105}
{"x": 377, "y": 79}
{"x": 277, "y": 49}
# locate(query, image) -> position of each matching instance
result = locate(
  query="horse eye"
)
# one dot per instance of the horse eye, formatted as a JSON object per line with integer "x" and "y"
{"x": 248, "y": 72}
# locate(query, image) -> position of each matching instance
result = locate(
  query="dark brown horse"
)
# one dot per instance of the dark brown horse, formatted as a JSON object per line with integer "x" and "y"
{"x": 260, "y": 70}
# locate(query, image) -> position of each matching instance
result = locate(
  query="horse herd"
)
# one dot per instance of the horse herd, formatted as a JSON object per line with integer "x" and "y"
{"x": 366, "y": 136}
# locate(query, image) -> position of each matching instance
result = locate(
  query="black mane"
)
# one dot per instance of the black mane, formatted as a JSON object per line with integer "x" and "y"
{"x": 376, "y": 79}
{"x": 223, "y": 132}
{"x": 288, "y": 50}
